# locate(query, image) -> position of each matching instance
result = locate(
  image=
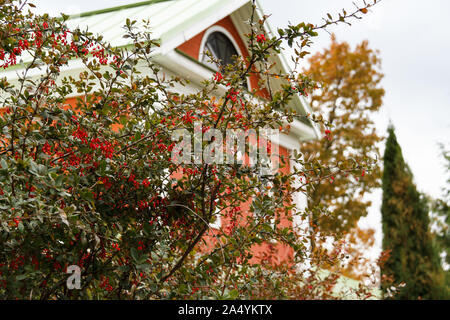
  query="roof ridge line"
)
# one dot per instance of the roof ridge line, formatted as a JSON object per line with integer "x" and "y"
{"x": 117, "y": 8}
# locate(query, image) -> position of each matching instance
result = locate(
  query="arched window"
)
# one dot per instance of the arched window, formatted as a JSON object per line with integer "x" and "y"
{"x": 220, "y": 47}
{"x": 219, "y": 42}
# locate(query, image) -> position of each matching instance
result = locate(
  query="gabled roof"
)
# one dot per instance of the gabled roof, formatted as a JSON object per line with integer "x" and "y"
{"x": 174, "y": 22}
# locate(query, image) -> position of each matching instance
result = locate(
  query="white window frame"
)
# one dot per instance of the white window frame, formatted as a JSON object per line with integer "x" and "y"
{"x": 224, "y": 31}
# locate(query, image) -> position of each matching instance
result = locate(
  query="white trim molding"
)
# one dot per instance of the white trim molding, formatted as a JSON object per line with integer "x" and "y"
{"x": 208, "y": 32}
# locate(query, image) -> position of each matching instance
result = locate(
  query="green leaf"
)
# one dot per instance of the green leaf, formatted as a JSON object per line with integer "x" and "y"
{"x": 233, "y": 294}
{"x": 21, "y": 277}
{"x": 4, "y": 164}
{"x": 63, "y": 216}
{"x": 134, "y": 254}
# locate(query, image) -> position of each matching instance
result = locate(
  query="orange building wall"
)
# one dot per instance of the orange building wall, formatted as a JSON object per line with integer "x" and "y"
{"x": 281, "y": 253}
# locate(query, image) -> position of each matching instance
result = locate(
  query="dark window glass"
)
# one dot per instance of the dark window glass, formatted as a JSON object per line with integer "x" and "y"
{"x": 220, "y": 47}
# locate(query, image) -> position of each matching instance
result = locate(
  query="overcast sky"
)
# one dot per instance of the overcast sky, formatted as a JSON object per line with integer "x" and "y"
{"x": 414, "y": 44}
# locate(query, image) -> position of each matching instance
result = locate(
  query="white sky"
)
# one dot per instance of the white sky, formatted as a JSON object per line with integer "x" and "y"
{"x": 412, "y": 36}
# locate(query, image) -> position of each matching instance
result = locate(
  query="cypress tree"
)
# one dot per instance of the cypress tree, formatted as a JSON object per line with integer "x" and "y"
{"x": 414, "y": 260}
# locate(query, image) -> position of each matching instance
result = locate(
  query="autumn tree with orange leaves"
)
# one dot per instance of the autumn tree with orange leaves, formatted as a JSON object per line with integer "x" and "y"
{"x": 349, "y": 95}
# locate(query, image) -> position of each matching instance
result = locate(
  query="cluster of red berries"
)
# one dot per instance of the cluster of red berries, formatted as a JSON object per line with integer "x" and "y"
{"x": 328, "y": 135}
{"x": 261, "y": 38}
{"x": 232, "y": 95}
{"x": 218, "y": 77}
{"x": 188, "y": 117}
{"x": 105, "y": 284}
